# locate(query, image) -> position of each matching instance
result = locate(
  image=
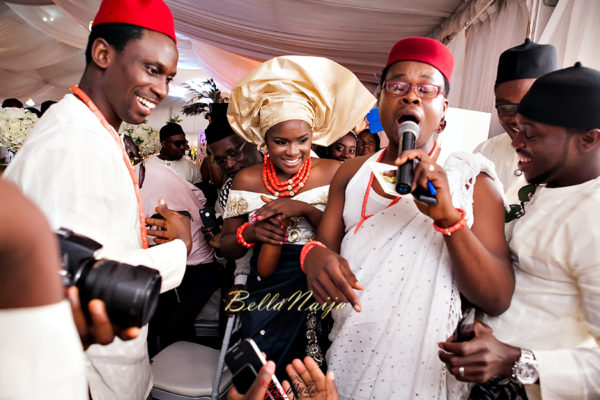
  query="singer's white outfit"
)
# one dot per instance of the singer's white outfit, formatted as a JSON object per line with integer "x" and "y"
{"x": 499, "y": 150}
{"x": 73, "y": 170}
{"x": 409, "y": 303}
{"x": 555, "y": 309}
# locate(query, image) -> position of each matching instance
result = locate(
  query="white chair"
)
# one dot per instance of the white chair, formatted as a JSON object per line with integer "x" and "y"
{"x": 190, "y": 371}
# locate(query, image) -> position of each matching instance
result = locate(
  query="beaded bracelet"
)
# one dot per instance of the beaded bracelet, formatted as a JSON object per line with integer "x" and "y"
{"x": 240, "y": 235}
{"x": 451, "y": 229}
{"x": 308, "y": 247}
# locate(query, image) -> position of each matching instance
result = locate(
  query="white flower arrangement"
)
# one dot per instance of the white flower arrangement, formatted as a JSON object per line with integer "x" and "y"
{"x": 15, "y": 124}
{"x": 144, "y": 136}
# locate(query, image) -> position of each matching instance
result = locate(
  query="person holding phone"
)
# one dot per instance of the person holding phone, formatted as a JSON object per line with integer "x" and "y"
{"x": 178, "y": 308}
{"x": 401, "y": 263}
{"x": 548, "y": 340}
{"x": 285, "y": 105}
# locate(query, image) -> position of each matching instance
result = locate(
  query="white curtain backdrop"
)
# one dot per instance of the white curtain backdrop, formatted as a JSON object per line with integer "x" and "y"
{"x": 574, "y": 29}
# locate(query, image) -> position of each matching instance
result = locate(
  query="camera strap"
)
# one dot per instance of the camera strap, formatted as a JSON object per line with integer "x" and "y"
{"x": 81, "y": 95}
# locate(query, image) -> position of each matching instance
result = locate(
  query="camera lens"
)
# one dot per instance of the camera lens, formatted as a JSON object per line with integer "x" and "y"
{"x": 129, "y": 293}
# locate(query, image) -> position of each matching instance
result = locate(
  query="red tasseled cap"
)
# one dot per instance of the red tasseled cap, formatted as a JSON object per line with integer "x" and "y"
{"x": 424, "y": 50}
{"x": 150, "y": 14}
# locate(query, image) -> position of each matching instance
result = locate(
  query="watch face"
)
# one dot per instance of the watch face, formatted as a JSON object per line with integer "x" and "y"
{"x": 526, "y": 373}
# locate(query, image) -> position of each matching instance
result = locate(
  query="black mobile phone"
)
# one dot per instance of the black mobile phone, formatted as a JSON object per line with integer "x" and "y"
{"x": 244, "y": 360}
{"x": 209, "y": 219}
{"x": 465, "y": 330}
{"x": 182, "y": 212}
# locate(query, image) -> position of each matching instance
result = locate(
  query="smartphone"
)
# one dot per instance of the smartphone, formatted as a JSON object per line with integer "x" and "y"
{"x": 244, "y": 360}
{"x": 465, "y": 330}
{"x": 209, "y": 220}
{"x": 182, "y": 212}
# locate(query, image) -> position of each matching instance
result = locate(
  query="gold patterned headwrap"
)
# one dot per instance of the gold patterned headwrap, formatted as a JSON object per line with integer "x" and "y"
{"x": 329, "y": 97}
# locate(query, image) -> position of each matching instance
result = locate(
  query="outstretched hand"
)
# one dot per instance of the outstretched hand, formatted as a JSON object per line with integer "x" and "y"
{"x": 98, "y": 329}
{"x": 330, "y": 278}
{"x": 309, "y": 381}
{"x": 173, "y": 226}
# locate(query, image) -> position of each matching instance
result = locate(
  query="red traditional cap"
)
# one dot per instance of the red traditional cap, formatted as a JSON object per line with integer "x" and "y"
{"x": 424, "y": 50}
{"x": 149, "y": 14}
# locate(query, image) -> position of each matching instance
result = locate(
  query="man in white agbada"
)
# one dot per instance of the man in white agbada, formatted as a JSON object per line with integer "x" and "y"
{"x": 518, "y": 68}
{"x": 75, "y": 169}
{"x": 410, "y": 274}
{"x": 548, "y": 340}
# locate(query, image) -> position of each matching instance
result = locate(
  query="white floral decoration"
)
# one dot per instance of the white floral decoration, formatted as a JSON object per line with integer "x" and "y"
{"x": 15, "y": 124}
{"x": 144, "y": 136}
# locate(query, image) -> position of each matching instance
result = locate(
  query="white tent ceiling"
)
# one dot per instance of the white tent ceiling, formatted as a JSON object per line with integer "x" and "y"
{"x": 42, "y": 41}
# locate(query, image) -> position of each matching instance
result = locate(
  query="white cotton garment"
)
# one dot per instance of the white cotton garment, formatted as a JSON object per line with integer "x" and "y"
{"x": 73, "y": 170}
{"x": 409, "y": 303}
{"x": 555, "y": 309}
{"x": 41, "y": 356}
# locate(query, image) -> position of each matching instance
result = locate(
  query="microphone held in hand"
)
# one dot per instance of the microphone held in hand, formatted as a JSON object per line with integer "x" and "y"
{"x": 408, "y": 132}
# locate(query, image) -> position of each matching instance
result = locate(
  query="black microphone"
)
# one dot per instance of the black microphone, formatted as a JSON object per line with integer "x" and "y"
{"x": 408, "y": 133}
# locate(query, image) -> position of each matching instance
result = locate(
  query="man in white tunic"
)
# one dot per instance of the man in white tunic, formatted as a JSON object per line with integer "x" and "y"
{"x": 518, "y": 68}
{"x": 548, "y": 339}
{"x": 172, "y": 153}
{"x": 410, "y": 274}
{"x": 75, "y": 169}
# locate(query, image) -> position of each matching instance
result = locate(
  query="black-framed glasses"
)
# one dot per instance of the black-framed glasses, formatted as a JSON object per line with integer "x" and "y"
{"x": 507, "y": 110}
{"x": 179, "y": 143}
{"x": 518, "y": 210}
{"x": 231, "y": 155}
{"x": 401, "y": 88}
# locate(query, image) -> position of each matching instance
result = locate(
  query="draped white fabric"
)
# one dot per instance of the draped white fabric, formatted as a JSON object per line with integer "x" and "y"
{"x": 227, "y": 38}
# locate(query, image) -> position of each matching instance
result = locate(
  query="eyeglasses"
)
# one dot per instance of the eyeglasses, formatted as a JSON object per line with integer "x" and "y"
{"x": 179, "y": 143}
{"x": 507, "y": 110}
{"x": 401, "y": 88}
{"x": 518, "y": 210}
{"x": 231, "y": 155}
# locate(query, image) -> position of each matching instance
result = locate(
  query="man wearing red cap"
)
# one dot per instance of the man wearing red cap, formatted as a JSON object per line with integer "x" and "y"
{"x": 385, "y": 347}
{"x": 75, "y": 169}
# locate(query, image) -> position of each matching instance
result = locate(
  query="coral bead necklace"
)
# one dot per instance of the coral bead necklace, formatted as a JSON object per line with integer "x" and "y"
{"x": 287, "y": 188}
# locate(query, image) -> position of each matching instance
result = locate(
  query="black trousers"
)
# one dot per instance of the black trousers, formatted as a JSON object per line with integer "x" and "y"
{"x": 177, "y": 309}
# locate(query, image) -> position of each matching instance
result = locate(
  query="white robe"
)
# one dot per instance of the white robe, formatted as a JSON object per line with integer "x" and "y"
{"x": 409, "y": 303}
{"x": 73, "y": 170}
{"x": 555, "y": 309}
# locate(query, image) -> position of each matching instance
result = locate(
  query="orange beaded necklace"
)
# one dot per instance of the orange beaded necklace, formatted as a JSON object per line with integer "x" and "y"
{"x": 287, "y": 188}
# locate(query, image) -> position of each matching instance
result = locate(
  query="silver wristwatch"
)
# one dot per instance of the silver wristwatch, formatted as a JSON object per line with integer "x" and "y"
{"x": 525, "y": 369}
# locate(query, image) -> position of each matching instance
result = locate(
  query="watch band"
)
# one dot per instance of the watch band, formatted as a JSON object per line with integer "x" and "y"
{"x": 525, "y": 369}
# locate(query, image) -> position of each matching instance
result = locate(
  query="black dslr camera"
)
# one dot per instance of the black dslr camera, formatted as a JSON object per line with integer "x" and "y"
{"x": 129, "y": 293}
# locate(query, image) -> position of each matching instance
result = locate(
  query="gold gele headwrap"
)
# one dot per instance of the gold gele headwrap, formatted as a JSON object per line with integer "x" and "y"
{"x": 329, "y": 97}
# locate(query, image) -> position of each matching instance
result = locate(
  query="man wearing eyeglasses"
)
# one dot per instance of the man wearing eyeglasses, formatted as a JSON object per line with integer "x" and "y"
{"x": 518, "y": 68}
{"x": 174, "y": 144}
{"x": 230, "y": 153}
{"x": 548, "y": 340}
{"x": 379, "y": 251}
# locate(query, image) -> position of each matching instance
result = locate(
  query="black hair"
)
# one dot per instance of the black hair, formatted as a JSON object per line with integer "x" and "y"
{"x": 386, "y": 69}
{"x": 116, "y": 34}
{"x": 375, "y": 137}
{"x": 12, "y": 102}
{"x": 35, "y": 111}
